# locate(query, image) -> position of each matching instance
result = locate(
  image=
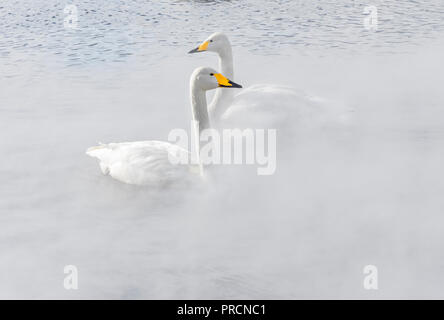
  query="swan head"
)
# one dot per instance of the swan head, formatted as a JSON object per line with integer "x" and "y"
{"x": 217, "y": 42}
{"x": 207, "y": 79}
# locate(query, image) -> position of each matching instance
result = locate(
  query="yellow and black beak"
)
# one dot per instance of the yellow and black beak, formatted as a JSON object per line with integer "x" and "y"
{"x": 202, "y": 47}
{"x": 224, "y": 82}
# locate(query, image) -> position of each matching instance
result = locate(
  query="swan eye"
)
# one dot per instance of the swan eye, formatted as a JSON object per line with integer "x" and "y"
{"x": 211, "y": 40}
{"x": 211, "y": 74}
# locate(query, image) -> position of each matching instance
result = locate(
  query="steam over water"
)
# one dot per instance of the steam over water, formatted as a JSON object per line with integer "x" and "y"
{"x": 367, "y": 191}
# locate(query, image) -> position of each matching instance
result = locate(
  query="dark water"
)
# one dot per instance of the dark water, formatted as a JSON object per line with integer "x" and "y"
{"x": 110, "y": 31}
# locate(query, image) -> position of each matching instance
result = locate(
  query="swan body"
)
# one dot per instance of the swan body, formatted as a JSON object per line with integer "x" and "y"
{"x": 271, "y": 105}
{"x": 156, "y": 162}
{"x": 141, "y": 162}
{"x": 262, "y": 105}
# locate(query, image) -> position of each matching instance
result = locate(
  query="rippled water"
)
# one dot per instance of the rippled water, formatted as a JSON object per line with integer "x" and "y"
{"x": 110, "y": 31}
{"x": 368, "y": 193}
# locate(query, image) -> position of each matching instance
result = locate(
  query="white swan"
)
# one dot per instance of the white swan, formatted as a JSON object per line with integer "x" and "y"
{"x": 260, "y": 105}
{"x": 148, "y": 162}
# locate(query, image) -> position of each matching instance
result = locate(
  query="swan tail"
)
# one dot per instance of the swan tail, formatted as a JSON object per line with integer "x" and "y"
{"x": 101, "y": 152}
{"x": 98, "y": 151}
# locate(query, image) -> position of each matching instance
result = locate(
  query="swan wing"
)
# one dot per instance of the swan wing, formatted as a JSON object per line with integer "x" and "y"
{"x": 276, "y": 106}
{"x": 141, "y": 162}
{"x": 269, "y": 105}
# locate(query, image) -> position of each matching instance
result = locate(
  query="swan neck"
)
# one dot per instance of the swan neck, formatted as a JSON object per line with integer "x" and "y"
{"x": 226, "y": 62}
{"x": 222, "y": 97}
{"x": 200, "y": 118}
{"x": 199, "y": 108}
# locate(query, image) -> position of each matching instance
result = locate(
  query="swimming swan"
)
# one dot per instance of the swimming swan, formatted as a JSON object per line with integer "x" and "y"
{"x": 260, "y": 105}
{"x": 148, "y": 162}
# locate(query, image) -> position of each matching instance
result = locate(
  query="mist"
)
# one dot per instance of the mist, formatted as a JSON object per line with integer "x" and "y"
{"x": 345, "y": 194}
